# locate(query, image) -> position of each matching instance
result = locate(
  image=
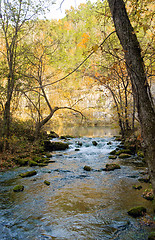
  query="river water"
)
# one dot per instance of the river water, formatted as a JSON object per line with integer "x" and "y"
{"x": 77, "y": 204}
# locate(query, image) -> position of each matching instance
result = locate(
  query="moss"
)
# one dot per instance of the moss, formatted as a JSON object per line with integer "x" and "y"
{"x": 18, "y": 188}
{"x": 112, "y": 167}
{"x": 112, "y": 157}
{"x": 151, "y": 236}
{"x": 124, "y": 155}
{"x": 137, "y": 187}
{"x": 137, "y": 211}
{"x": 28, "y": 174}
{"x": 46, "y": 182}
{"x": 128, "y": 151}
{"x": 87, "y": 168}
{"x": 32, "y": 163}
{"x": 94, "y": 143}
{"x": 140, "y": 154}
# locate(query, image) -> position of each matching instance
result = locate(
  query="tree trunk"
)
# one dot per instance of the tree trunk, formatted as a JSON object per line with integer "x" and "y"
{"x": 136, "y": 70}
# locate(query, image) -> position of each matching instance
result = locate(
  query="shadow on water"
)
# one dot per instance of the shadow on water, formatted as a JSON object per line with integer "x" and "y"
{"x": 77, "y": 204}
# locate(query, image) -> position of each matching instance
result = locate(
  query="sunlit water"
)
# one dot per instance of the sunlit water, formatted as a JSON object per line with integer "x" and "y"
{"x": 77, "y": 204}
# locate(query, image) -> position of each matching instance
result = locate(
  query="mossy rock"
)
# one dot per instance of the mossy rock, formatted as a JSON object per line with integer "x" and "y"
{"x": 151, "y": 236}
{"x": 137, "y": 212}
{"x": 42, "y": 164}
{"x": 94, "y": 143}
{"x": 87, "y": 168}
{"x": 18, "y": 188}
{"x": 48, "y": 155}
{"x": 140, "y": 154}
{"x": 128, "y": 151}
{"x": 124, "y": 155}
{"x": 112, "y": 157}
{"x": 32, "y": 163}
{"x": 112, "y": 167}
{"x": 47, "y": 183}
{"x": 55, "y": 146}
{"x": 137, "y": 187}
{"x": 28, "y": 174}
{"x": 113, "y": 152}
{"x": 148, "y": 194}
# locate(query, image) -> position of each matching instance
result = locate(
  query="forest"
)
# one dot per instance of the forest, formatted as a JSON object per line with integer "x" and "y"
{"x": 93, "y": 68}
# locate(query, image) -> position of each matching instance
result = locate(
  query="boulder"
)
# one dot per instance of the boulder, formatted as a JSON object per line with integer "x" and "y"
{"x": 18, "y": 188}
{"x": 148, "y": 194}
{"x": 124, "y": 155}
{"x": 94, "y": 143}
{"x": 137, "y": 212}
{"x": 28, "y": 174}
{"x": 87, "y": 168}
{"x": 111, "y": 167}
{"x": 55, "y": 146}
{"x": 53, "y": 135}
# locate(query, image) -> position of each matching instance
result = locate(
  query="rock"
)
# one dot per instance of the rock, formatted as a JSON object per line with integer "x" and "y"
{"x": 112, "y": 157}
{"x": 79, "y": 143}
{"x": 151, "y": 236}
{"x": 48, "y": 155}
{"x": 111, "y": 167}
{"x": 113, "y": 152}
{"x": 47, "y": 183}
{"x": 87, "y": 168}
{"x": 94, "y": 143}
{"x": 18, "y": 188}
{"x": 148, "y": 194}
{"x": 21, "y": 161}
{"x": 28, "y": 174}
{"x": 137, "y": 212}
{"x": 145, "y": 179}
{"x": 77, "y": 149}
{"x": 124, "y": 155}
{"x": 128, "y": 151}
{"x": 55, "y": 146}
{"x": 109, "y": 143}
{"x": 137, "y": 187}
{"x": 53, "y": 135}
{"x": 32, "y": 163}
{"x": 140, "y": 154}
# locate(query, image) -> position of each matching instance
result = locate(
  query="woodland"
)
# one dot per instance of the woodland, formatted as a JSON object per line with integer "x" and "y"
{"x": 69, "y": 70}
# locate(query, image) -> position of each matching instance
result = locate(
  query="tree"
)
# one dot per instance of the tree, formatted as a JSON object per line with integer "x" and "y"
{"x": 140, "y": 87}
{"x": 14, "y": 17}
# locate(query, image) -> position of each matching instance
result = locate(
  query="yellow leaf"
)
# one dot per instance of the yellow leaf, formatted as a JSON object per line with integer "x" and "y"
{"x": 95, "y": 47}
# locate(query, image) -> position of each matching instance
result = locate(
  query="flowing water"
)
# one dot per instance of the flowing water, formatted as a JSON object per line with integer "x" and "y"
{"x": 77, "y": 204}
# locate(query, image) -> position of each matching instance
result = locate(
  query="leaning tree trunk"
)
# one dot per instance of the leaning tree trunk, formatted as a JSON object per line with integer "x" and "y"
{"x": 136, "y": 70}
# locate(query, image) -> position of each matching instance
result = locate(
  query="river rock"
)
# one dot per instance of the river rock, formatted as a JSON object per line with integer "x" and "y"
{"x": 124, "y": 155}
{"x": 113, "y": 152}
{"x": 47, "y": 183}
{"x": 112, "y": 157}
{"x": 53, "y": 135}
{"x": 94, "y": 143}
{"x": 148, "y": 194}
{"x": 32, "y": 163}
{"x": 55, "y": 146}
{"x": 137, "y": 187}
{"x": 87, "y": 168}
{"x": 28, "y": 174}
{"x": 128, "y": 151}
{"x": 111, "y": 167}
{"x": 18, "y": 188}
{"x": 137, "y": 212}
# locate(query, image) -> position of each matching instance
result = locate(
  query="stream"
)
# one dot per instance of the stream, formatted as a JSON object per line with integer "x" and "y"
{"x": 78, "y": 204}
